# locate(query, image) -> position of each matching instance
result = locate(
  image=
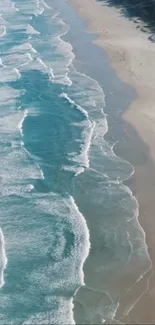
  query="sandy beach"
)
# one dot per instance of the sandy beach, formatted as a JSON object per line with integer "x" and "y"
{"x": 132, "y": 56}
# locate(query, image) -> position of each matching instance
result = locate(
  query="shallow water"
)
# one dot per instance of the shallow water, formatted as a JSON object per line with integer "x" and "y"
{"x": 61, "y": 183}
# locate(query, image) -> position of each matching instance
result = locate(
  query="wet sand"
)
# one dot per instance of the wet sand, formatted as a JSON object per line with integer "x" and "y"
{"x": 132, "y": 56}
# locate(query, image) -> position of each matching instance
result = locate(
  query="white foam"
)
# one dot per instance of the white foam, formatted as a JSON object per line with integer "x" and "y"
{"x": 60, "y": 68}
{"x": 42, "y": 63}
{"x": 22, "y": 48}
{"x": 20, "y": 125}
{"x": 36, "y": 160}
{"x": 17, "y": 60}
{"x": 22, "y": 242}
{"x": 35, "y": 64}
{"x": 41, "y": 8}
{"x": 9, "y": 123}
{"x": 76, "y": 170}
{"x": 30, "y": 56}
{"x": 17, "y": 72}
{"x": 66, "y": 209}
{"x": 83, "y": 157}
{"x": 27, "y": 28}
{"x": 29, "y": 8}
{"x": 30, "y": 187}
{"x": 7, "y": 189}
{"x": 87, "y": 134}
{"x": 52, "y": 74}
{"x": 16, "y": 165}
{"x": 63, "y": 314}
{"x": 84, "y": 227}
{"x": 7, "y": 8}
{"x": 13, "y": 6}
{"x": 2, "y": 31}
{"x": 16, "y": 144}
{"x": 56, "y": 15}
{"x": 31, "y": 30}
{"x": 39, "y": 11}
{"x": 46, "y": 5}
{"x": 83, "y": 111}
{"x": 41, "y": 172}
{"x": 1, "y": 63}
{"x": 3, "y": 258}
{"x": 93, "y": 100}
{"x": 88, "y": 91}
{"x": 9, "y": 95}
{"x": 7, "y": 74}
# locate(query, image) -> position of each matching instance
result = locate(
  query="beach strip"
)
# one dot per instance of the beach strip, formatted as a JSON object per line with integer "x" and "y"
{"x": 132, "y": 57}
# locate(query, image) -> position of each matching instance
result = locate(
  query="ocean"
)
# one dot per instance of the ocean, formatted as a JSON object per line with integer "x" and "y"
{"x": 69, "y": 225}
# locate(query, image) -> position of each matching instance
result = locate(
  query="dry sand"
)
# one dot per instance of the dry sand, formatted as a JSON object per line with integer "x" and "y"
{"x": 133, "y": 58}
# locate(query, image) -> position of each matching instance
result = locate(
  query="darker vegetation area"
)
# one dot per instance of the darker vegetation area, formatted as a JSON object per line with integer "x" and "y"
{"x": 136, "y": 9}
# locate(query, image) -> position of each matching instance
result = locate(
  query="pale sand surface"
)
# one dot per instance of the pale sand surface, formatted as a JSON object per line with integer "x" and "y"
{"x": 133, "y": 58}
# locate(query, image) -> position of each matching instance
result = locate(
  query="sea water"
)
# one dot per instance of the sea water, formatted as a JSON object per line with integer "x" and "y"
{"x": 61, "y": 183}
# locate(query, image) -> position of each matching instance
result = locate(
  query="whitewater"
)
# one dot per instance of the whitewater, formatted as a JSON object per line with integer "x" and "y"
{"x": 54, "y": 162}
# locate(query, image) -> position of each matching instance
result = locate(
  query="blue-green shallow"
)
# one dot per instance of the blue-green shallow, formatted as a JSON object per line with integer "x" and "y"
{"x": 60, "y": 178}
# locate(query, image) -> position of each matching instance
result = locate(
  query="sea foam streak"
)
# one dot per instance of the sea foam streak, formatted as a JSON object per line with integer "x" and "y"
{"x": 2, "y": 31}
{"x": 19, "y": 168}
{"x": 3, "y": 259}
{"x": 89, "y": 98}
{"x": 46, "y": 5}
{"x": 31, "y": 30}
{"x": 65, "y": 266}
{"x": 22, "y": 48}
{"x": 87, "y": 134}
{"x": 59, "y": 48}
{"x": 84, "y": 228}
{"x": 12, "y": 169}
{"x": 67, "y": 208}
{"x": 20, "y": 125}
{"x": 93, "y": 106}
{"x": 7, "y": 74}
{"x": 64, "y": 95}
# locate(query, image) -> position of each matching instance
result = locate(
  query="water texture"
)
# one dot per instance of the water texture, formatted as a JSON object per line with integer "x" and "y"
{"x": 61, "y": 183}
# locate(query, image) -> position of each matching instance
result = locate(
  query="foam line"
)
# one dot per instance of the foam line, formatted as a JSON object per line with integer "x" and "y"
{"x": 2, "y": 31}
{"x": 20, "y": 125}
{"x": 3, "y": 258}
{"x": 83, "y": 111}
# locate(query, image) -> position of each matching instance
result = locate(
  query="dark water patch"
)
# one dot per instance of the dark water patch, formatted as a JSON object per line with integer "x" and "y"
{"x": 50, "y": 132}
{"x": 16, "y": 37}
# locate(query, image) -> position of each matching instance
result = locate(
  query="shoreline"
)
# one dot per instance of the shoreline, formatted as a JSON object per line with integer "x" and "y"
{"x": 129, "y": 58}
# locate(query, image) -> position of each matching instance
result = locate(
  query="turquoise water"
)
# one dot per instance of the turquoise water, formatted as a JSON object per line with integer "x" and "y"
{"x": 61, "y": 183}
